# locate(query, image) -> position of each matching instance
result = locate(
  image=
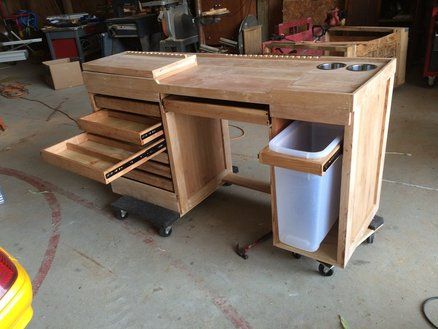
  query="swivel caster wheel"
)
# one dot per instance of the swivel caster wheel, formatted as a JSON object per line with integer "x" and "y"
{"x": 165, "y": 231}
{"x": 370, "y": 239}
{"x": 326, "y": 269}
{"x": 121, "y": 214}
{"x": 297, "y": 256}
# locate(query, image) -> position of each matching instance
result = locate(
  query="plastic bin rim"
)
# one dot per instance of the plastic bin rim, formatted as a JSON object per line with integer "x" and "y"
{"x": 301, "y": 154}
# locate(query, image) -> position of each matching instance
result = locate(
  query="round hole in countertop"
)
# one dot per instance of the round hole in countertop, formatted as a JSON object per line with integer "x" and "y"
{"x": 331, "y": 66}
{"x": 361, "y": 67}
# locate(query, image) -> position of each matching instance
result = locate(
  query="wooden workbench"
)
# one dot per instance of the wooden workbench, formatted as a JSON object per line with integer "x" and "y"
{"x": 159, "y": 130}
{"x": 353, "y": 41}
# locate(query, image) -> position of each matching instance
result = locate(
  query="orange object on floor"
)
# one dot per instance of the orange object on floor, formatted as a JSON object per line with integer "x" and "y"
{"x": 2, "y": 124}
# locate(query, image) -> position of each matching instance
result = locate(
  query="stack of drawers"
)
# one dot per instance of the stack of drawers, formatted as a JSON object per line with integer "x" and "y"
{"x": 123, "y": 137}
{"x": 137, "y": 122}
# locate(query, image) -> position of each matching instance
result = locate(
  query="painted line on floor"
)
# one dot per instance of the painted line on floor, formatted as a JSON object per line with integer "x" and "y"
{"x": 49, "y": 254}
{"x": 421, "y": 187}
{"x": 222, "y": 304}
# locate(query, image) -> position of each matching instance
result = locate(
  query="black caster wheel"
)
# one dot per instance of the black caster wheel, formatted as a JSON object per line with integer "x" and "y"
{"x": 165, "y": 231}
{"x": 370, "y": 239}
{"x": 121, "y": 214}
{"x": 326, "y": 270}
{"x": 297, "y": 256}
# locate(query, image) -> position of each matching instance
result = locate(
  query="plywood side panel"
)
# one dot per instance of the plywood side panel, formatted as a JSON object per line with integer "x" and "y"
{"x": 196, "y": 149}
{"x": 364, "y": 154}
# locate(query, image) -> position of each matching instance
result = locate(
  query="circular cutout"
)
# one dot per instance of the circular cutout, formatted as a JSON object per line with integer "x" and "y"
{"x": 331, "y": 66}
{"x": 361, "y": 67}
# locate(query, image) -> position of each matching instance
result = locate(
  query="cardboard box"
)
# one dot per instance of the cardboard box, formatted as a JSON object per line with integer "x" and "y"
{"x": 63, "y": 73}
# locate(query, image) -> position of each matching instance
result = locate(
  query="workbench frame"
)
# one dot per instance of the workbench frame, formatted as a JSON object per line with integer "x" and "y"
{"x": 195, "y": 123}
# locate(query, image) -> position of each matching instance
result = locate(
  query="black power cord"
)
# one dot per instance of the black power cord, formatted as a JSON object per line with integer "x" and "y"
{"x": 423, "y": 309}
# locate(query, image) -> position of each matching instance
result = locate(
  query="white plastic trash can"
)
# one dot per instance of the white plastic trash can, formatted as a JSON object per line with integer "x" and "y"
{"x": 307, "y": 204}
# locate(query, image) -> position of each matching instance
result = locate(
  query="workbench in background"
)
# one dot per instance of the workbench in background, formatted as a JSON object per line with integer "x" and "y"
{"x": 347, "y": 41}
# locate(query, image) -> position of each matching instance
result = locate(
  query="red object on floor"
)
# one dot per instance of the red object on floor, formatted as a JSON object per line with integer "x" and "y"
{"x": 428, "y": 70}
{"x": 2, "y": 124}
{"x": 65, "y": 48}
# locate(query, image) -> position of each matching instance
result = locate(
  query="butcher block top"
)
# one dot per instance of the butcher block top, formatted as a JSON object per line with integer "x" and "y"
{"x": 255, "y": 78}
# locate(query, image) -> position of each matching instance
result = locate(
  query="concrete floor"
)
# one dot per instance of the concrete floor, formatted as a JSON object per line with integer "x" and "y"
{"x": 91, "y": 271}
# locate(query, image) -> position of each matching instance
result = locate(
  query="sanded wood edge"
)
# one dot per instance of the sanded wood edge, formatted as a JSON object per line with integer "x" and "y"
{"x": 174, "y": 68}
{"x": 147, "y": 193}
{"x": 227, "y": 146}
{"x": 401, "y": 53}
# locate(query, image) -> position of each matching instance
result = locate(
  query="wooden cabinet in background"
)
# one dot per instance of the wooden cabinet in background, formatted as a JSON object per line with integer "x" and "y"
{"x": 228, "y": 26}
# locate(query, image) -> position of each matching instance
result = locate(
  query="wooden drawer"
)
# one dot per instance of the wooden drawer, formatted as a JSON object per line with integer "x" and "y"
{"x": 127, "y": 105}
{"x": 151, "y": 179}
{"x": 312, "y": 166}
{"x": 156, "y": 168}
{"x": 218, "y": 109}
{"x": 147, "y": 193}
{"x": 132, "y": 128}
{"x": 121, "y": 86}
{"x": 99, "y": 158}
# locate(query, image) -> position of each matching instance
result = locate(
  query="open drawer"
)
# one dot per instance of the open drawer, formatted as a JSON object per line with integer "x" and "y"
{"x": 312, "y": 166}
{"x": 126, "y": 127}
{"x": 99, "y": 158}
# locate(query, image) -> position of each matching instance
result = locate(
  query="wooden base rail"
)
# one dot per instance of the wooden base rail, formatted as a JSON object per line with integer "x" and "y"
{"x": 252, "y": 184}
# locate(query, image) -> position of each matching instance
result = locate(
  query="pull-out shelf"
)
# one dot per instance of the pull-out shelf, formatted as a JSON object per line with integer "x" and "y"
{"x": 218, "y": 109}
{"x": 312, "y": 166}
{"x": 126, "y": 127}
{"x": 100, "y": 158}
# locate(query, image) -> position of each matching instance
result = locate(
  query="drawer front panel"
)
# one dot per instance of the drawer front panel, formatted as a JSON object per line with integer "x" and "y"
{"x": 127, "y": 105}
{"x": 148, "y": 193}
{"x": 151, "y": 179}
{"x": 122, "y": 126}
{"x": 121, "y": 86}
{"x": 311, "y": 166}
